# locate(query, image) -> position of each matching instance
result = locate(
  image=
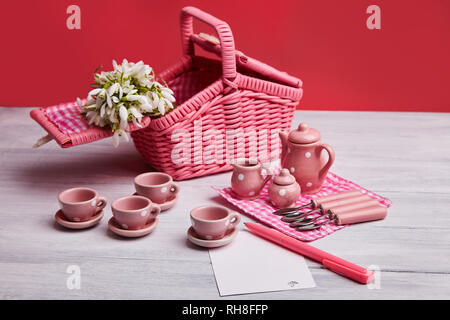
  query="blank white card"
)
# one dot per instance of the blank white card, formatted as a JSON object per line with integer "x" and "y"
{"x": 251, "y": 264}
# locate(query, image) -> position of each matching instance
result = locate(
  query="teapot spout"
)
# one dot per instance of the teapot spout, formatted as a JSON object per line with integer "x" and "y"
{"x": 234, "y": 165}
{"x": 284, "y": 145}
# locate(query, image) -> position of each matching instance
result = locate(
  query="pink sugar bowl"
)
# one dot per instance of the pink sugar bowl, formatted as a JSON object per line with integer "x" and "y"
{"x": 284, "y": 190}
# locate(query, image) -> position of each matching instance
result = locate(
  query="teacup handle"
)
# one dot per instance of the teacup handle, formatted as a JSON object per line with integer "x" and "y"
{"x": 174, "y": 188}
{"x": 154, "y": 211}
{"x": 101, "y": 203}
{"x": 234, "y": 219}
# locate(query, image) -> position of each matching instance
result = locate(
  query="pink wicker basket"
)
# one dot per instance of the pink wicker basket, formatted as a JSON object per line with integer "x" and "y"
{"x": 240, "y": 93}
{"x": 227, "y": 109}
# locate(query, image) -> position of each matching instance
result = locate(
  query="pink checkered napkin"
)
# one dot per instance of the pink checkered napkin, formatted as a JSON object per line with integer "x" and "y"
{"x": 262, "y": 210}
{"x": 67, "y": 117}
{"x": 68, "y": 127}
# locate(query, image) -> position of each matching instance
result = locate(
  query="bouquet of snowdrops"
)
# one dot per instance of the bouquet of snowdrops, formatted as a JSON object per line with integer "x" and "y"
{"x": 125, "y": 95}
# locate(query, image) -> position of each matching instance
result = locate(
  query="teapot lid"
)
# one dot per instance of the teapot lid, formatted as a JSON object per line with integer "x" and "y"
{"x": 284, "y": 178}
{"x": 304, "y": 134}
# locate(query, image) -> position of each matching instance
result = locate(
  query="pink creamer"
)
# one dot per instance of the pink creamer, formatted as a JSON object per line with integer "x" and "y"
{"x": 302, "y": 156}
{"x": 248, "y": 179}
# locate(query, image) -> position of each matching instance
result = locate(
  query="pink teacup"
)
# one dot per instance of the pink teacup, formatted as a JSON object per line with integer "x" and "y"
{"x": 134, "y": 212}
{"x": 80, "y": 204}
{"x": 212, "y": 222}
{"x": 157, "y": 186}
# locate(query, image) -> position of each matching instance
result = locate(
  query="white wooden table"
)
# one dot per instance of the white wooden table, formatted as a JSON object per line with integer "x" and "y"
{"x": 404, "y": 156}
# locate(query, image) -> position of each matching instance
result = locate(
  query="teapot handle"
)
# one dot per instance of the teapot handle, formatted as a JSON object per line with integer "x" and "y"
{"x": 331, "y": 157}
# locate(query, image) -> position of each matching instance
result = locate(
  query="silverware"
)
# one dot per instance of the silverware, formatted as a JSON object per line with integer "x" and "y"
{"x": 305, "y": 222}
{"x": 296, "y": 217}
{"x": 313, "y": 226}
{"x": 285, "y": 211}
{"x": 324, "y": 208}
{"x": 349, "y": 216}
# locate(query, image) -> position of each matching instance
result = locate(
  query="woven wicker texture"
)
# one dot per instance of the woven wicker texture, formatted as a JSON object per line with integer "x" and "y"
{"x": 215, "y": 99}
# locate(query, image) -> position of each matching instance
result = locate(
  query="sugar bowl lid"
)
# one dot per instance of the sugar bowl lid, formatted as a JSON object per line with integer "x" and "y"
{"x": 304, "y": 134}
{"x": 284, "y": 178}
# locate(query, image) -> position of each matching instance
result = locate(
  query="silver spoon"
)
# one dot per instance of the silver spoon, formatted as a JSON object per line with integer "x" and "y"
{"x": 296, "y": 217}
{"x": 285, "y": 211}
{"x": 304, "y": 222}
{"x": 312, "y": 226}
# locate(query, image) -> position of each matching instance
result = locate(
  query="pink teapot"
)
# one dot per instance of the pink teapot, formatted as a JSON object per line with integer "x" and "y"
{"x": 302, "y": 156}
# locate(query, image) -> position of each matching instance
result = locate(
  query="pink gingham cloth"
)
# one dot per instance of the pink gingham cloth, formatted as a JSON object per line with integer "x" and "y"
{"x": 67, "y": 117}
{"x": 262, "y": 210}
{"x": 65, "y": 123}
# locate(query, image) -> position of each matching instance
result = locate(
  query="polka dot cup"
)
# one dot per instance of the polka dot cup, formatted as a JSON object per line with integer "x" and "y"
{"x": 157, "y": 186}
{"x": 134, "y": 212}
{"x": 213, "y": 222}
{"x": 80, "y": 204}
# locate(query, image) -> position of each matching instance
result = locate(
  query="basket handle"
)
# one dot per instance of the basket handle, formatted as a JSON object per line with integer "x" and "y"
{"x": 223, "y": 31}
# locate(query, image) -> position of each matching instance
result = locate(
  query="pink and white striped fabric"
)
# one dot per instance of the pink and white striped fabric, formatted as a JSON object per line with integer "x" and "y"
{"x": 67, "y": 118}
{"x": 262, "y": 210}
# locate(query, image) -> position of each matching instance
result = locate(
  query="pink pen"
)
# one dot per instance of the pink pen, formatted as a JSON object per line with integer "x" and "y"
{"x": 335, "y": 264}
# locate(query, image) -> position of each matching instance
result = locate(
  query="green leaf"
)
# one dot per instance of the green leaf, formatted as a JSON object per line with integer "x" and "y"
{"x": 98, "y": 68}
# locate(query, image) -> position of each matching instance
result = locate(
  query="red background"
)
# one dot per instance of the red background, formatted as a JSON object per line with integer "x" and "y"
{"x": 344, "y": 66}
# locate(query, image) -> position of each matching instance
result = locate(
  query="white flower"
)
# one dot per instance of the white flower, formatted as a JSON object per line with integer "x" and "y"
{"x": 167, "y": 90}
{"x": 167, "y": 96}
{"x": 135, "y": 113}
{"x": 155, "y": 99}
{"x": 132, "y": 97}
{"x": 95, "y": 92}
{"x": 98, "y": 103}
{"x": 102, "y": 110}
{"x": 127, "y": 93}
{"x": 161, "y": 106}
{"x": 168, "y": 103}
{"x": 136, "y": 123}
{"x": 123, "y": 113}
{"x": 112, "y": 116}
{"x": 108, "y": 100}
{"x": 116, "y": 138}
{"x": 79, "y": 103}
{"x": 113, "y": 89}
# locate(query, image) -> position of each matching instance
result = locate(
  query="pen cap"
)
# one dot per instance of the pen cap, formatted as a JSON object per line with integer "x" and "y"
{"x": 362, "y": 215}
{"x": 364, "y": 276}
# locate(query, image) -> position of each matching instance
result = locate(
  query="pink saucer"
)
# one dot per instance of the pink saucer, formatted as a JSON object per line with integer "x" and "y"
{"x": 114, "y": 227}
{"x": 166, "y": 205}
{"x": 228, "y": 238}
{"x": 63, "y": 221}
